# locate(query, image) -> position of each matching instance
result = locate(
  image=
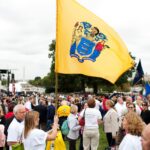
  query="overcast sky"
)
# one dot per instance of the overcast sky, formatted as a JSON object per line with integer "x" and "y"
{"x": 27, "y": 27}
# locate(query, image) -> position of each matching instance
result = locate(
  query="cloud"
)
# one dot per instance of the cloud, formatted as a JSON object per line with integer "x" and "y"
{"x": 28, "y": 27}
{"x": 25, "y": 34}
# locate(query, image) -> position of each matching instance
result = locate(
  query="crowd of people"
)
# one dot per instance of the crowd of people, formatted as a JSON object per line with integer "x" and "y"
{"x": 34, "y": 119}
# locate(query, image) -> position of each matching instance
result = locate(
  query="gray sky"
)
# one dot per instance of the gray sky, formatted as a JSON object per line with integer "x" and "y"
{"x": 27, "y": 27}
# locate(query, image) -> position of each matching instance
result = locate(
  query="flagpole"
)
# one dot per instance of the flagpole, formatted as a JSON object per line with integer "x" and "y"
{"x": 56, "y": 91}
{"x": 56, "y": 73}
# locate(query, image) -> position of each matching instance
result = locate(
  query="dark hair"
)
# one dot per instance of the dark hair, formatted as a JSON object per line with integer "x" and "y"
{"x": 132, "y": 104}
{"x": 96, "y": 30}
{"x": 91, "y": 103}
{"x": 145, "y": 103}
{"x": 11, "y": 107}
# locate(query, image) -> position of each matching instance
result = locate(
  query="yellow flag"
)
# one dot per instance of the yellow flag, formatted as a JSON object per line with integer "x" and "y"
{"x": 85, "y": 44}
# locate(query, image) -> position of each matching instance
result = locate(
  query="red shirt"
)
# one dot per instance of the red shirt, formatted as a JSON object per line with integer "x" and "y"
{"x": 8, "y": 115}
{"x": 104, "y": 104}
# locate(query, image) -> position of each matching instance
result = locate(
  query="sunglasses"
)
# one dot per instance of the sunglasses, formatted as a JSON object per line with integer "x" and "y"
{"x": 130, "y": 107}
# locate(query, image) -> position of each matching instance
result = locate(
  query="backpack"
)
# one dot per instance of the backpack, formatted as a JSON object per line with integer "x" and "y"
{"x": 65, "y": 128}
{"x": 2, "y": 136}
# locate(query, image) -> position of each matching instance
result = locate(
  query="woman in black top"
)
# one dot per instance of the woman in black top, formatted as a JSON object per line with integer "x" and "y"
{"x": 145, "y": 114}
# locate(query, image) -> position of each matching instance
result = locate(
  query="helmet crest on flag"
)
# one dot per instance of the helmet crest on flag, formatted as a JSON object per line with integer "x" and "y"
{"x": 87, "y": 42}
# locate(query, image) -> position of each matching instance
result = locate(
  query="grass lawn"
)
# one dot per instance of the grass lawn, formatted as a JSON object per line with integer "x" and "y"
{"x": 102, "y": 142}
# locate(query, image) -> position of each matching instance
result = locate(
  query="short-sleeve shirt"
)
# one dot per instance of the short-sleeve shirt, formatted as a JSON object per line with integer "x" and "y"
{"x": 91, "y": 118}
{"x": 36, "y": 140}
{"x": 15, "y": 131}
{"x": 130, "y": 142}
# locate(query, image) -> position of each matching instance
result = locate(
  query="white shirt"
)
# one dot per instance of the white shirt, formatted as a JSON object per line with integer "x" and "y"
{"x": 15, "y": 131}
{"x": 36, "y": 140}
{"x": 97, "y": 104}
{"x": 120, "y": 108}
{"x": 111, "y": 122}
{"x": 91, "y": 118}
{"x": 138, "y": 110}
{"x": 28, "y": 105}
{"x": 130, "y": 142}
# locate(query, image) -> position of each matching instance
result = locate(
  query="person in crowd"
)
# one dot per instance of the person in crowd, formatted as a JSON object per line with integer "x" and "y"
{"x": 42, "y": 109}
{"x": 131, "y": 107}
{"x": 2, "y": 137}
{"x": 28, "y": 103}
{"x": 114, "y": 98}
{"x": 9, "y": 116}
{"x": 148, "y": 100}
{"x": 7, "y": 123}
{"x": 128, "y": 99}
{"x": 34, "y": 138}
{"x": 63, "y": 112}
{"x": 50, "y": 114}
{"x": 74, "y": 127}
{"x": 145, "y": 113}
{"x": 97, "y": 103}
{"x": 2, "y": 117}
{"x": 126, "y": 108}
{"x": 2, "y": 123}
{"x": 111, "y": 124}
{"x": 120, "y": 106}
{"x": 78, "y": 103}
{"x": 133, "y": 125}
{"x": 15, "y": 128}
{"x": 34, "y": 101}
{"x": 145, "y": 140}
{"x": 85, "y": 105}
{"x": 103, "y": 107}
{"x": 138, "y": 104}
{"x": 20, "y": 100}
{"x": 4, "y": 104}
{"x": 10, "y": 113}
{"x": 91, "y": 128}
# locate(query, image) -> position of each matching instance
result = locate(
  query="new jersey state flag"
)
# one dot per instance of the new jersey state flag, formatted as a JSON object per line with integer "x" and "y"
{"x": 85, "y": 44}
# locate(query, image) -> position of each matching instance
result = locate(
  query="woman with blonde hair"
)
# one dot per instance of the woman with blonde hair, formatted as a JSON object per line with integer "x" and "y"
{"x": 35, "y": 139}
{"x": 133, "y": 125}
{"x": 74, "y": 127}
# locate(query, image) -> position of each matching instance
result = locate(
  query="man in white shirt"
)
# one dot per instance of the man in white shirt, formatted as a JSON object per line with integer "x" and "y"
{"x": 120, "y": 106}
{"x": 16, "y": 127}
{"x": 98, "y": 104}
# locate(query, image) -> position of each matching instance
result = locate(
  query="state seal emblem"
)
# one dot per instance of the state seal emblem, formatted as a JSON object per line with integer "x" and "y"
{"x": 87, "y": 42}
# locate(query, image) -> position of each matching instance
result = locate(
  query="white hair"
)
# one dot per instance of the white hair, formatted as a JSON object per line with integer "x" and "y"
{"x": 90, "y": 96}
{"x": 18, "y": 107}
{"x": 64, "y": 102}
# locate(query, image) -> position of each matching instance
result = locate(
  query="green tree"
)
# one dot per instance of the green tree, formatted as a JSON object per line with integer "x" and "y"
{"x": 36, "y": 82}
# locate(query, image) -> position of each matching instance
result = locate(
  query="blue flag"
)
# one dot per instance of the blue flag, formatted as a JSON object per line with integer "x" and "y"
{"x": 147, "y": 89}
{"x": 139, "y": 74}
